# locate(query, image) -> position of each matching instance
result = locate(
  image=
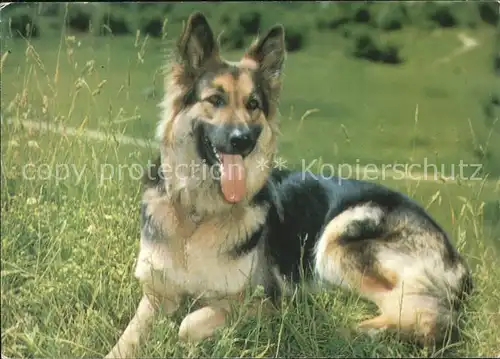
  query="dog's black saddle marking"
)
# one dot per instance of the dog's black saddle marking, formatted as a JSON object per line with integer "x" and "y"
{"x": 248, "y": 245}
{"x": 147, "y": 227}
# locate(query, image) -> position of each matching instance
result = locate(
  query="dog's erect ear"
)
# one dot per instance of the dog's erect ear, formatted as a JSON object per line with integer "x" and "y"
{"x": 269, "y": 51}
{"x": 197, "y": 43}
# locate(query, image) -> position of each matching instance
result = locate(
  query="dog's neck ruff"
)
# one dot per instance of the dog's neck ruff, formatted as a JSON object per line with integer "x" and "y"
{"x": 192, "y": 200}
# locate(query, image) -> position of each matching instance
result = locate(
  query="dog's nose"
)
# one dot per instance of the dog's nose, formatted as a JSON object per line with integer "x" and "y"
{"x": 241, "y": 140}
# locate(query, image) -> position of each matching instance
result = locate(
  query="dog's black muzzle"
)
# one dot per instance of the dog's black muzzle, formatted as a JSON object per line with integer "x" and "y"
{"x": 234, "y": 139}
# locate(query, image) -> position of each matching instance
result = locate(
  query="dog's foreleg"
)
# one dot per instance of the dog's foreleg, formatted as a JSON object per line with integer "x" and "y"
{"x": 136, "y": 329}
{"x": 203, "y": 322}
{"x": 140, "y": 324}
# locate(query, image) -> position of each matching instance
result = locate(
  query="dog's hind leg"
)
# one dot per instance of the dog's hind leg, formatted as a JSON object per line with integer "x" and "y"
{"x": 140, "y": 324}
{"x": 346, "y": 252}
{"x": 357, "y": 251}
{"x": 346, "y": 256}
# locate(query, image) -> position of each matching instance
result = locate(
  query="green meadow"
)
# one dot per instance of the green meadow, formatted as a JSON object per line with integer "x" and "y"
{"x": 70, "y": 202}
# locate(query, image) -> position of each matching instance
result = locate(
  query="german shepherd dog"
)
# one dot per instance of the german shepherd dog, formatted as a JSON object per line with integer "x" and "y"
{"x": 216, "y": 222}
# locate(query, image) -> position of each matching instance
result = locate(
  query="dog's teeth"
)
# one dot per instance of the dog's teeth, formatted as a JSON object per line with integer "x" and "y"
{"x": 215, "y": 152}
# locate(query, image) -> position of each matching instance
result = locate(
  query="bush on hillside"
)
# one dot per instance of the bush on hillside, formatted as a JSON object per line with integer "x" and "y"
{"x": 358, "y": 11}
{"x": 225, "y": 19}
{"x": 232, "y": 38}
{"x": 392, "y": 16}
{"x": 79, "y": 17}
{"x": 488, "y": 11}
{"x": 495, "y": 99}
{"x": 440, "y": 14}
{"x": 250, "y": 22}
{"x": 338, "y": 14}
{"x": 366, "y": 47}
{"x": 295, "y": 38}
{"x": 23, "y": 25}
{"x": 491, "y": 109}
{"x": 153, "y": 26}
{"x": 496, "y": 52}
{"x": 496, "y": 64}
{"x": 432, "y": 14}
{"x": 114, "y": 24}
{"x": 389, "y": 54}
{"x": 362, "y": 15}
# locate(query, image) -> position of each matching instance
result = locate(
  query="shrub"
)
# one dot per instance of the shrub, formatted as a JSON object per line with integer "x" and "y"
{"x": 432, "y": 14}
{"x": 23, "y": 25}
{"x": 488, "y": 11}
{"x": 365, "y": 46}
{"x": 495, "y": 99}
{"x": 153, "y": 27}
{"x": 115, "y": 24}
{"x": 362, "y": 15}
{"x": 295, "y": 39}
{"x": 466, "y": 13}
{"x": 491, "y": 109}
{"x": 496, "y": 64}
{"x": 79, "y": 18}
{"x": 390, "y": 55}
{"x": 250, "y": 22}
{"x": 338, "y": 14}
{"x": 354, "y": 10}
{"x": 443, "y": 16}
{"x": 225, "y": 19}
{"x": 232, "y": 38}
{"x": 392, "y": 16}
{"x": 496, "y": 52}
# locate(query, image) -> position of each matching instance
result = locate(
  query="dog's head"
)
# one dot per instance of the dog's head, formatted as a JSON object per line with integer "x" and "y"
{"x": 220, "y": 114}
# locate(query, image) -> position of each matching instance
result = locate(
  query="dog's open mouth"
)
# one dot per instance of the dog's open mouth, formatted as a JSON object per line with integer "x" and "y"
{"x": 229, "y": 169}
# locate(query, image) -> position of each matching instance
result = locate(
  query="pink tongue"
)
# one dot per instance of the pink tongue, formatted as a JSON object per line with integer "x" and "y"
{"x": 233, "y": 177}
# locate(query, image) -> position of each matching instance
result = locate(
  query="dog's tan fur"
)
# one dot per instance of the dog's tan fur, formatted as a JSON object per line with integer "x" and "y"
{"x": 414, "y": 298}
{"x": 198, "y": 227}
{"x": 194, "y": 217}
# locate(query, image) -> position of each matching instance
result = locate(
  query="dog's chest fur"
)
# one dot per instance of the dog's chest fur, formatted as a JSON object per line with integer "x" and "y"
{"x": 194, "y": 255}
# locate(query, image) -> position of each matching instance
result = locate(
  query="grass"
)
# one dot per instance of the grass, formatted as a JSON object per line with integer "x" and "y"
{"x": 69, "y": 239}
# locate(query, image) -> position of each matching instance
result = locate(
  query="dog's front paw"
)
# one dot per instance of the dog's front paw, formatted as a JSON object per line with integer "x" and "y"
{"x": 201, "y": 324}
{"x": 374, "y": 327}
{"x": 373, "y": 333}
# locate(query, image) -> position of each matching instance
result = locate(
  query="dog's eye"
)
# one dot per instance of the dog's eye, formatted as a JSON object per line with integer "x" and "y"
{"x": 216, "y": 101}
{"x": 253, "y": 104}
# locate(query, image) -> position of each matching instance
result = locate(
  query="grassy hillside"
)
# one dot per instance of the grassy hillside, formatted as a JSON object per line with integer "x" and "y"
{"x": 69, "y": 203}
